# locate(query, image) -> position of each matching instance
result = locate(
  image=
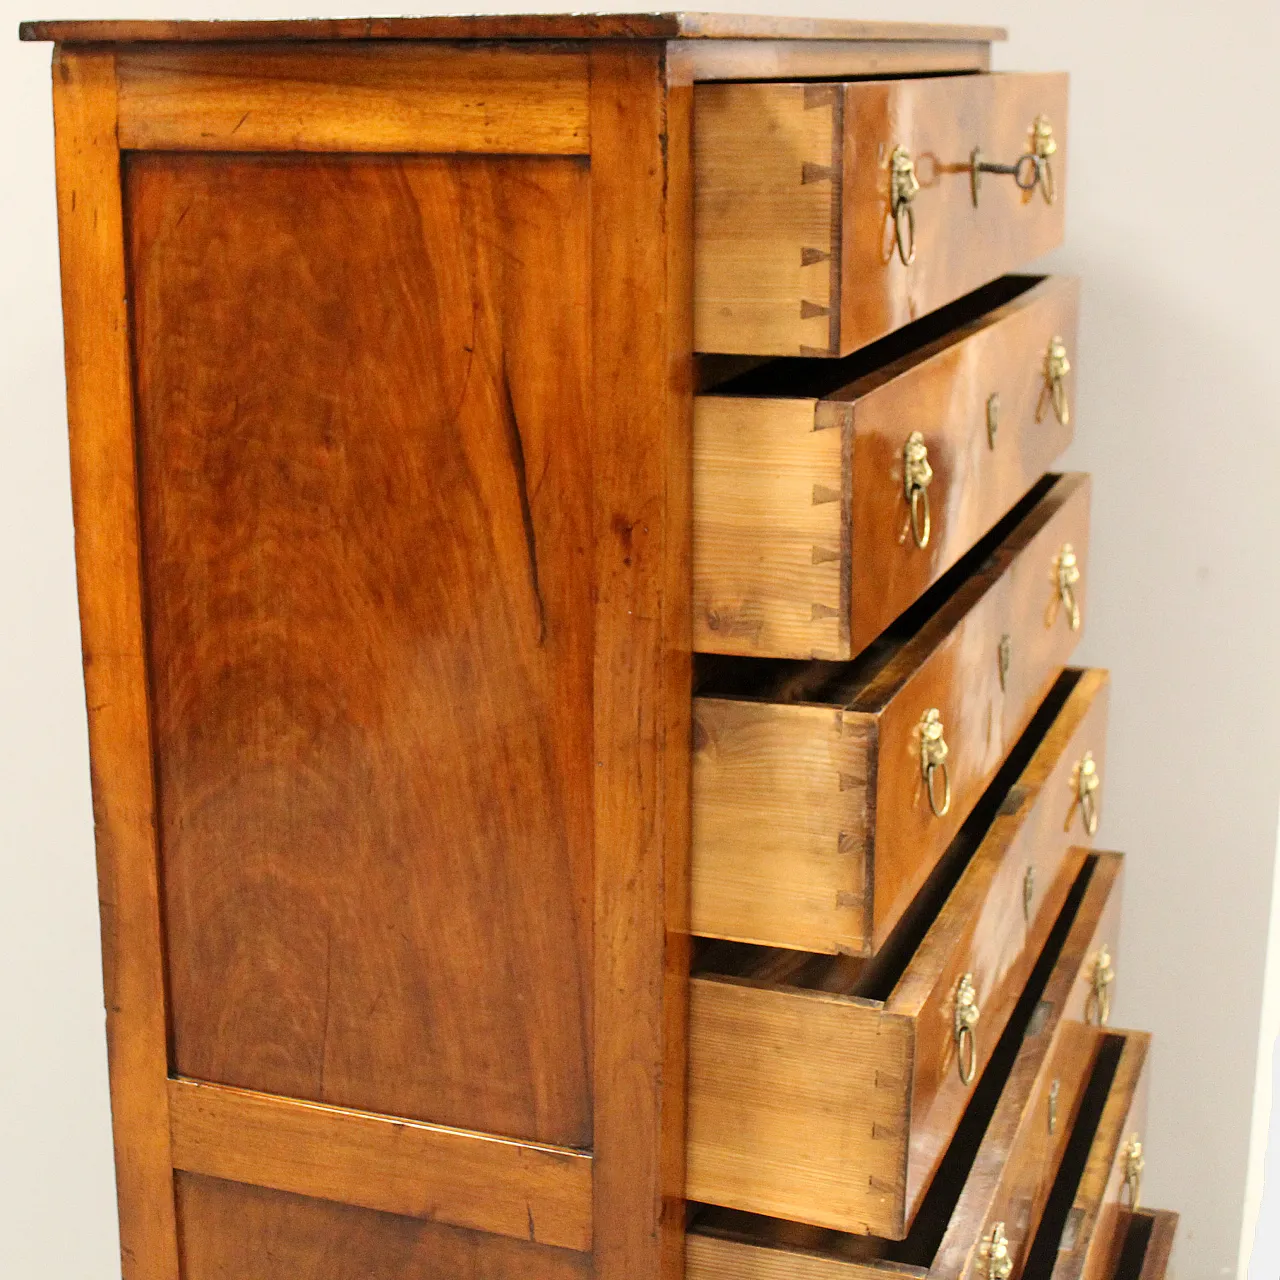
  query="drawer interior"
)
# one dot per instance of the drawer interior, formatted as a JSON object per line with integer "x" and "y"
{"x": 922, "y": 1242}
{"x": 802, "y": 378}
{"x": 814, "y": 682}
{"x": 875, "y": 978}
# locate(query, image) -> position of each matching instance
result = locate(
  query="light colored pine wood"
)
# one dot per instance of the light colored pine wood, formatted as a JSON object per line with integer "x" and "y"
{"x": 380, "y": 98}
{"x": 980, "y": 930}
{"x": 1013, "y": 1168}
{"x": 796, "y": 835}
{"x": 771, "y": 537}
{"x": 729, "y": 59}
{"x": 766, "y": 205}
{"x": 797, "y": 1105}
{"x": 759, "y": 221}
{"x": 780, "y": 815}
{"x": 528, "y": 1191}
{"x": 802, "y": 546}
{"x": 104, "y": 492}
{"x": 711, "y": 1258}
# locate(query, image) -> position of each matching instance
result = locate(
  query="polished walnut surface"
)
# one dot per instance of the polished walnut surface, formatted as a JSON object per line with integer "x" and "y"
{"x": 533, "y": 26}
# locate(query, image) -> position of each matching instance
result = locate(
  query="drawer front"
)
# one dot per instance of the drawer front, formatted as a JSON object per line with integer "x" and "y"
{"x": 803, "y": 545}
{"x": 977, "y": 475}
{"x": 995, "y": 922}
{"x": 1083, "y": 1232}
{"x": 796, "y": 250}
{"x": 790, "y": 1144}
{"x": 982, "y": 711}
{"x": 812, "y": 827}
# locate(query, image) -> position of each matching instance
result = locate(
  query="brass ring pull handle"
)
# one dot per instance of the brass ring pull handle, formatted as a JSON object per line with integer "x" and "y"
{"x": 994, "y": 1259}
{"x": 1067, "y": 570}
{"x": 1030, "y": 170}
{"x": 966, "y": 1026}
{"x": 1087, "y": 781}
{"x": 933, "y": 762}
{"x": 903, "y": 189}
{"x": 917, "y": 476}
{"x": 1098, "y": 1011}
{"x": 1056, "y": 368}
{"x": 1133, "y": 1164}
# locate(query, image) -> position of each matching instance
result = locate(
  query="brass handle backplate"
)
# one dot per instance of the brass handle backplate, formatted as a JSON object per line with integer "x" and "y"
{"x": 1004, "y": 657}
{"x": 1028, "y": 892}
{"x": 1054, "y": 1090}
{"x": 993, "y": 418}
{"x": 1087, "y": 781}
{"x": 966, "y": 1028}
{"x": 1098, "y": 1009}
{"x": 1132, "y": 1165}
{"x": 917, "y": 476}
{"x": 933, "y": 761}
{"x": 1067, "y": 571}
{"x": 904, "y": 186}
{"x": 995, "y": 1262}
{"x": 1030, "y": 170}
{"x": 1056, "y": 367}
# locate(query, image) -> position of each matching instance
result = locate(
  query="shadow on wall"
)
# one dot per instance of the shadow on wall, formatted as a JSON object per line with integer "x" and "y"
{"x": 1265, "y": 1261}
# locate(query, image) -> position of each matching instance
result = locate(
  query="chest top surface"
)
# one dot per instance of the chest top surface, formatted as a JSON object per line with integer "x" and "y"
{"x": 532, "y": 26}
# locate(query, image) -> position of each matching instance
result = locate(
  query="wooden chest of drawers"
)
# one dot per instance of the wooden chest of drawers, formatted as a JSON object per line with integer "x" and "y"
{"x": 576, "y": 609}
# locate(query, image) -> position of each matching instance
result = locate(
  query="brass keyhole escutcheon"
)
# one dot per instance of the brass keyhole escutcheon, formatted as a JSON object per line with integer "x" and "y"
{"x": 933, "y": 762}
{"x": 1098, "y": 1009}
{"x": 1067, "y": 571}
{"x": 966, "y": 1028}
{"x": 903, "y": 189}
{"x": 1028, "y": 893}
{"x": 993, "y": 418}
{"x": 917, "y": 476}
{"x": 994, "y": 1254}
{"x": 1056, "y": 368}
{"x": 1086, "y": 782}
{"x": 1132, "y": 1165}
{"x": 1004, "y": 656}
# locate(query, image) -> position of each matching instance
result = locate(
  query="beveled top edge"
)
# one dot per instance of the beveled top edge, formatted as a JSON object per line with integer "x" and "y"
{"x": 521, "y": 26}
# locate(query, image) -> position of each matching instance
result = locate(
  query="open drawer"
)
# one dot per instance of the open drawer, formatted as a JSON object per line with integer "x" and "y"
{"x": 828, "y": 496}
{"x": 827, "y": 215}
{"x": 824, "y": 794}
{"x": 999, "y": 1167}
{"x": 1147, "y": 1250}
{"x": 826, "y": 1089}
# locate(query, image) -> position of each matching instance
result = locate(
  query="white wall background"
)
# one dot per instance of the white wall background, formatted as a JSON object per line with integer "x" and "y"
{"x": 1172, "y": 221}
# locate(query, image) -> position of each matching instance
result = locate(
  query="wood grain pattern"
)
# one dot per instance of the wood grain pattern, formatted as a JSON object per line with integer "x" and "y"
{"x": 984, "y": 930}
{"x": 530, "y": 26}
{"x": 369, "y": 620}
{"x": 344, "y": 97}
{"x": 231, "y": 1231}
{"x": 641, "y": 406}
{"x": 798, "y": 1151}
{"x": 767, "y": 194}
{"x": 811, "y": 801}
{"x": 797, "y": 1105}
{"x": 103, "y": 481}
{"x": 802, "y": 545}
{"x": 764, "y": 179}
{"x": 522, "y": 1190}
{"x": 726, "y": 58}
{"x": 1091, "y": 1244}
{"x": 1004, "y": 1172}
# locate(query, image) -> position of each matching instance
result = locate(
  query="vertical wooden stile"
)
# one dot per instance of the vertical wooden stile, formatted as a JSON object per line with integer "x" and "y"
{"x": 104, "y": 493}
